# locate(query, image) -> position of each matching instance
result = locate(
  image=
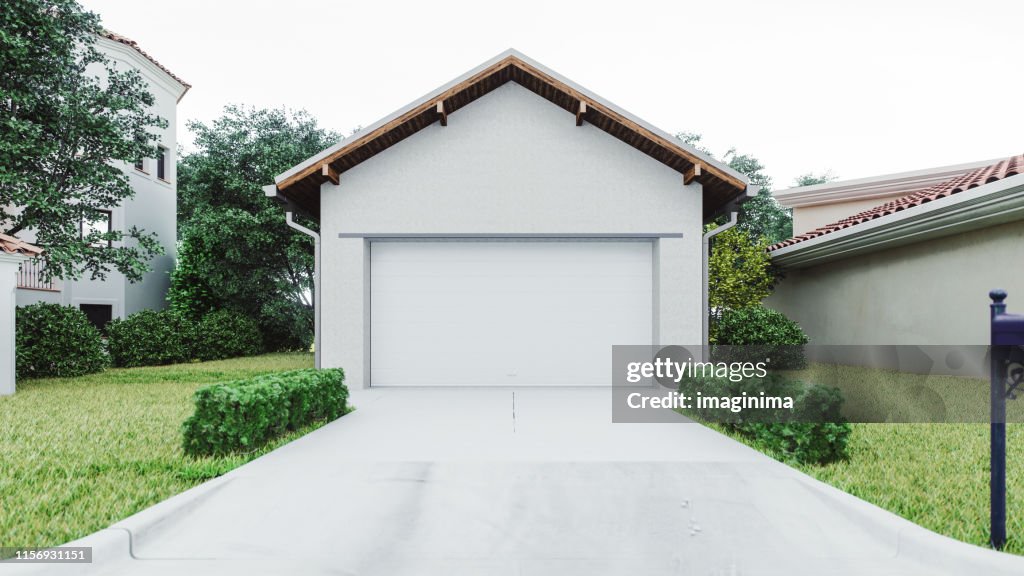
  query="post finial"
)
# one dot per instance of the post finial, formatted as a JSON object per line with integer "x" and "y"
{"x": 997, "y": 295}
{"x": 998, "y": 306}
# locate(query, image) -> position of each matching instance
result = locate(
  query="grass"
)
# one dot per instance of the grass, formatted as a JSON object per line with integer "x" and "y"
{"x": 79, "y": 454}
{"x": 933, "y": 474}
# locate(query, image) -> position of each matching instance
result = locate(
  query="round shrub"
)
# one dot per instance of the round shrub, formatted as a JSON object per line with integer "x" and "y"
{"x": 762, "y": 333}
{"x": 227, "y": 334}
{"x": 150, "y": 338}
{"x": 814, "y": 432}
{"x": 55, "y": 340}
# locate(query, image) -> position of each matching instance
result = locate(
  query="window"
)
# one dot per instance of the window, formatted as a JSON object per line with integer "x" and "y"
{"x": 99, "y": 315}
{"x": 161, "y": 163}
{"x": 102, "y": 223}
{"x": 140, "y": 163}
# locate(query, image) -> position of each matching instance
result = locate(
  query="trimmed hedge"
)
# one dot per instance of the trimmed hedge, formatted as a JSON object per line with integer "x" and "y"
{"x": 244, "y": 414}
{"x": 55, "y": 340}
{"x": 149, "y": 338}
{"x": 226, "y": 334}
{"x": 815, "y": 432}
{"x": 757, "y": 331}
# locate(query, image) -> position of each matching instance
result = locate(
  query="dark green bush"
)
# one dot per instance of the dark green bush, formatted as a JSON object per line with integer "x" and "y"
{"x": 227, "y": 334}
{"x": 244, "y": 414}
{"x": 813, "y": 432}
{"x": 54, "y": 340}
{"x": 149, "y": 338}
{"x": 761, "y": 332}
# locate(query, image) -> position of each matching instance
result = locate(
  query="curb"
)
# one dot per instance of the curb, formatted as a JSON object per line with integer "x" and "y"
{"x": 148, "y": 522}
{"x": 919, "y": 544}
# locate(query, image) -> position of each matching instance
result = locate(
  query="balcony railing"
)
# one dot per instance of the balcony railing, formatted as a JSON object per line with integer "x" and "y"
{"x": 30, "y": 277}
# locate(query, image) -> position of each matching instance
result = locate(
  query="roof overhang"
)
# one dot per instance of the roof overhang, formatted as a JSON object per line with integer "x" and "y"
{"x": 114, "y": 41}
{"x": 721, "y": 184}
{"x": 987, "y": 205}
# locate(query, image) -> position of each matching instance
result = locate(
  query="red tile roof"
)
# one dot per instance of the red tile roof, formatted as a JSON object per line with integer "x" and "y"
{"x": 129, "y": 42}
{"x": 1002, "y": 169}
{"x": 12, "y": 245}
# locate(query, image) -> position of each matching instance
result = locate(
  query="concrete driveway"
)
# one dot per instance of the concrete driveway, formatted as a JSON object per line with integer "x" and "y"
{"x": 519, "y": 482}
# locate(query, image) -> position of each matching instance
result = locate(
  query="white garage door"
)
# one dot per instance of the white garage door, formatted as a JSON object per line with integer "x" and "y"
{"x": 505, "y": 313}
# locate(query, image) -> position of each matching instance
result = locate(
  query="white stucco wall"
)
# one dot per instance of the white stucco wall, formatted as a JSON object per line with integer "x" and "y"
{"x": 155, "y": 204}
{"x": 8, "y": 280}
{"x": 932, "y": 292}
{"x": 509, "y": 163}
{"x": 153, "y": 208}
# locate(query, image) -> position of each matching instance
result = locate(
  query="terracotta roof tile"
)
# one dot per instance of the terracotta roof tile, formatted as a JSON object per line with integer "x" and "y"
{"x": 129, "y": 42}
{"x": 11, "y": 245}
{"x": 1004, "y": 168}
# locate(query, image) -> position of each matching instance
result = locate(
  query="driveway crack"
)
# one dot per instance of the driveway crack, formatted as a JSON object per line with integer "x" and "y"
{"x": 513, "y": 412}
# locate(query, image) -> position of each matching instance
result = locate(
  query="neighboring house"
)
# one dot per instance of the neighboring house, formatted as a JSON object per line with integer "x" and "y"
{"x": 916, "y": 269}
{"x": 153, "y": 208}
{"x": 507, "y": 228}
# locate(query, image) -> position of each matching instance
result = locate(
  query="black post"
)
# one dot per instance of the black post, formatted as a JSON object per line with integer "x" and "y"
{"x": 997, "y": 479}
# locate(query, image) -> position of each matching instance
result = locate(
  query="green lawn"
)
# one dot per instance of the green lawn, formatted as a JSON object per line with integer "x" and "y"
{"x": 935, "y": 475}
{"x": 79, "y": 454}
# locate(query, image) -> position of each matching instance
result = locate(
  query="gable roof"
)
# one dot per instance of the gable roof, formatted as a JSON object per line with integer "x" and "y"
{"x": 978, "y": 177}
{"x": 135, "y": 46}
{"x": 721, "y": 184}
{"x": 11, "y": 245}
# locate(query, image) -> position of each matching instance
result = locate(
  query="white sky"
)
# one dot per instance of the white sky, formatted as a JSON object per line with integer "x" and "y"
{"x": 859, "y": 87}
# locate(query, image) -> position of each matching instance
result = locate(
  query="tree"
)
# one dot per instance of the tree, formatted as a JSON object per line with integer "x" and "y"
{"x": 237, "y": 252}
{"x": 69, "y": 122}
{"x": 693, "y": 139}
{"x": 739, "y": 272}
{"x": 811, "y": 179}
{"x": 762, "y": 216}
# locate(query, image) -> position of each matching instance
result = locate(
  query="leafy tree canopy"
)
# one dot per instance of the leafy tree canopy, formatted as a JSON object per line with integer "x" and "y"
{"x": 761, "y": 216}
{"x": 70, "y": 122}
{"x": 236, "y": 251}
{"x": 739, "y": 272}
{"x": 811, "y": 179}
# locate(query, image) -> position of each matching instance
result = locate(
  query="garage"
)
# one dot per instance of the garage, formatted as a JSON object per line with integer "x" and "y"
{"x": 538, "y": 312}
{"x": 507, "y": 229}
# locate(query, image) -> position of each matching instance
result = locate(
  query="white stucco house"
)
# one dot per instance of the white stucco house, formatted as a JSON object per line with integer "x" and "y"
{"x": 153, "y": 208}
{"x": 507, "y": 228}
{"x": 904, "y": 258}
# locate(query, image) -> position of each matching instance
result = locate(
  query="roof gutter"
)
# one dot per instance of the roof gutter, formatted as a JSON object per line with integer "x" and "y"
{"x": 987, "y": 205}
{"x": 271, "y": 192}
{"x": 705, "y": 256}
{"x": 732, "y": 208}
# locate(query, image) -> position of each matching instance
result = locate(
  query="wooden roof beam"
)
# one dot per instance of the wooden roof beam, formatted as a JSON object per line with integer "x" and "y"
{"x": 441, "y": 113}
{"x": 580, "y": 112}
{"x": 692, "y": 173}
{"x": 330, "y": 174}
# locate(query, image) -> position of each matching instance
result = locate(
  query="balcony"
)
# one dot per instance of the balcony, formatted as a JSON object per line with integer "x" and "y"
{"x": 30, "y": 277}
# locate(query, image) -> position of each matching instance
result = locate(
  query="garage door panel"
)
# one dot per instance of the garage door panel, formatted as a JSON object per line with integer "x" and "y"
{"x": 506, "y": 313}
